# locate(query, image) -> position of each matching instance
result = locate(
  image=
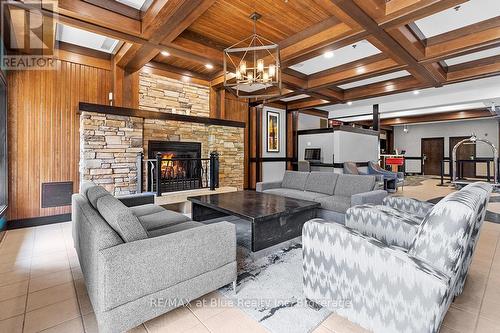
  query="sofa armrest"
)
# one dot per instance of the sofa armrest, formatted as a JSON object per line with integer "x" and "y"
{"x": 262, "y": 186}
{"x": 386, "y": 224}
{"x": 409, "y": 205}
{"x": 133, "y": 270}
{"x": 372, "y": 197}
{"x": 381, "y": 288}
{"x": 137, "y": 199}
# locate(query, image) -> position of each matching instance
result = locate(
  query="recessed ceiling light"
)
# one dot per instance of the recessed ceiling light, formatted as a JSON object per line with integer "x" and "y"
{"x": 209, "y": 66}
{"x": 416, "y": 92}
{"x": 360, "y": 70}
{"x": 349, "y": 103}
{"x": 165, "y": 53}
{"x": 328, "y": 54}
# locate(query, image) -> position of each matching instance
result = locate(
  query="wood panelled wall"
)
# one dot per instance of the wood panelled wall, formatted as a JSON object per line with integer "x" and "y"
{"x": 44, "y": 130}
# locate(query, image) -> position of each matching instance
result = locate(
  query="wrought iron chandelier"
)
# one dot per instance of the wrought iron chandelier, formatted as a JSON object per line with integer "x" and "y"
{"x": 252, "y": 66}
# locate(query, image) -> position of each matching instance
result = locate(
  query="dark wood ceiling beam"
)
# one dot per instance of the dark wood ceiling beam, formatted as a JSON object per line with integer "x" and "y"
{"x": 307, "y": 43}
{"x": 291, "y": 81}
{"x": 386, "y": 42}
{"x": 474, "y": 69}
{"x": 117, "y": 7}
{"x": 353, "y": 36}
{"x": 410, "y": 40}
{"x": 307, "y": 103}
{"x": 359, "y": 71}
{"x": 163, "y": 22}
{"x": 316, "y": 113}
{"x": 468, "y": 39}
{"x": 326, "y": 93}
{"x": 177, "y": 70}
{"x": 401, "y": 12}
{"x": 445, "y": 116}
{"x": 200, "y": 51}
{"x": 388, "y": 87}
{"x": 96, "y": 15}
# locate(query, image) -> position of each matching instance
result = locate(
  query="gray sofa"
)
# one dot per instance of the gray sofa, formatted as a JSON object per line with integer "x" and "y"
{"x": 335, "y": 192}
{"x": 142, "y": 261}
{"x": 392, "y": 289}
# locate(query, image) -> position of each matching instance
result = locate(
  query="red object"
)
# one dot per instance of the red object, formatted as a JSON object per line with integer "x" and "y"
{"x": 395, "y": 161}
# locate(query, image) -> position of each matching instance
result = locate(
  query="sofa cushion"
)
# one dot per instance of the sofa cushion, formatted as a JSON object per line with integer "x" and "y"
{"x": 94, "y": 193}
{"x": 162, "y": 219}
{"x": 146, "y": 209}
{"x": 296, "y": 194}
{"x": 121, "y": 219}
{"x": 321, "y": 182}
{"x": 295, "y": 180}
{"x": 174, "y": 228}
{"x": 336, "y": 203}
{"x": 84, "y": 187}
{"x": 348, "y": 185}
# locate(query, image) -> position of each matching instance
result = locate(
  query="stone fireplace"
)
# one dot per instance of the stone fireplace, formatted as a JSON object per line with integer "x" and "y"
{"x": 111, "y": 143}
{"x": 181, "y": 168}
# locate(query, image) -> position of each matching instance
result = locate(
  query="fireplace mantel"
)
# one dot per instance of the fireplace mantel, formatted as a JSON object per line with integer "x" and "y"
{"x": 129, "y": 112}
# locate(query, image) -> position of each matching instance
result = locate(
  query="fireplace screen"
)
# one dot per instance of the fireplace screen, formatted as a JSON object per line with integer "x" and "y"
{"x": 182, "y": 167}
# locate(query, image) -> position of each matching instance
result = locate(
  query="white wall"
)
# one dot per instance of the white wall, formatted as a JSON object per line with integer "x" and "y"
{"x": 411, "y": 141}
{"x": 306, "y": 121}
{"x": 356, "y": 147}
{"x": 346, "y": 146}
{"x": 320, "y": 140}
{"x": 273, "y": 170}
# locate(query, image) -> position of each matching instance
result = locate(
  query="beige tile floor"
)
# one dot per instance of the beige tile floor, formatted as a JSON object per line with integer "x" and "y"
{"x": 42, "y": 290}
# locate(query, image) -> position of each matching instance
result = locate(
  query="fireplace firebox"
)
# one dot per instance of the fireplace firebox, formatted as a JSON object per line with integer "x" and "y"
{"x": 182, "y": 167}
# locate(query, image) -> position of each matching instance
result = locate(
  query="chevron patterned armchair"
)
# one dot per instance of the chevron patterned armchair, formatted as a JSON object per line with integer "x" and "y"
{"x": 387, "y": 288}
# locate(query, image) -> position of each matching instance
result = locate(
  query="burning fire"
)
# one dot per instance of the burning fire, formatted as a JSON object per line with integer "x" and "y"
{"x": 172, "y": 169}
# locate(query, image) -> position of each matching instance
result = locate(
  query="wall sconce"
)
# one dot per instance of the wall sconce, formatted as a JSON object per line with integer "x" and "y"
{"x": 110, "y": 98}
{"x": 405, "y": 128}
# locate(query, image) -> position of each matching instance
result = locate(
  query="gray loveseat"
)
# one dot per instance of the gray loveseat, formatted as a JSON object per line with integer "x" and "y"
{"x": 335, "y": 192}
{"x": 140, "y": 262}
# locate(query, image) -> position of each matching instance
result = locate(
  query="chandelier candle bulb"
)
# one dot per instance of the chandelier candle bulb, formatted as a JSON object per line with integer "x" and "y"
{"x": 265, "y": 76}
{"x": 243, "y": 66}
{"x": 260, "y": 65}
{"x": 250, "y": 76}
{"x": 238, "y": 74}
{"x": 272, "y": 70}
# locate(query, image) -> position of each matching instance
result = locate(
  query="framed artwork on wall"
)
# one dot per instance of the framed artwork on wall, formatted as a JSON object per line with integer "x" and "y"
{"x": 273, "y": 132}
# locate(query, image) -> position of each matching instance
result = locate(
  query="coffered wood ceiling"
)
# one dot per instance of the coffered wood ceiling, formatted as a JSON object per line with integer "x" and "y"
{"x": 195, "y": 32}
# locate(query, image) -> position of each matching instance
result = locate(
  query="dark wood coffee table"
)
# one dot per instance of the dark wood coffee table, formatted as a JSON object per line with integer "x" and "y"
{"x": 274, "y": 218}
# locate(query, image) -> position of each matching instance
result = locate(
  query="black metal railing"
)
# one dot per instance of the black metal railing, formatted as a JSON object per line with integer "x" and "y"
{"x": 180, "y": 174}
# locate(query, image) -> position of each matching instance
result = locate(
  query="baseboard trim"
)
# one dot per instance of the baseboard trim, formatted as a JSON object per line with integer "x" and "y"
{"x": 37, "y": 221}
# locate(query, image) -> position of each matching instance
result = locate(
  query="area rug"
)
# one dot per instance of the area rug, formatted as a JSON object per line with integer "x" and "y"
{"x": 270, "y": 291}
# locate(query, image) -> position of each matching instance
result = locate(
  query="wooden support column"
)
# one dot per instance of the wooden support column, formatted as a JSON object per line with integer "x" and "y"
{"x": 376, "y": 118}
{"x": 291, "y": 137}
{"x": 125, "y": 87}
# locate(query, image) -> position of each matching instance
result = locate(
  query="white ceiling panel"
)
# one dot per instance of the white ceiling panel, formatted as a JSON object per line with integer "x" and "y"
{"x": 470, "y": 12}
{"x": 294, "y": 98}
{"x": 375, "y": 79}
{"x": 85, "y": 38}
{"x": 473, "y": 56}
{"x": 137, "y": 4}
{"x": 343, "y": 55}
